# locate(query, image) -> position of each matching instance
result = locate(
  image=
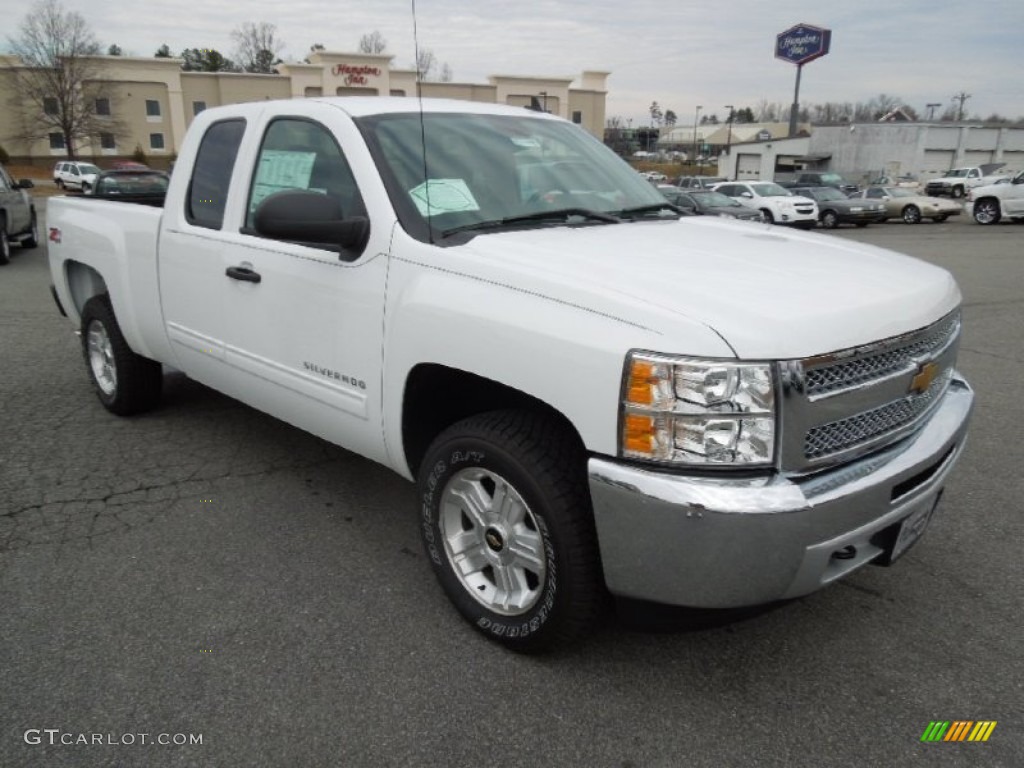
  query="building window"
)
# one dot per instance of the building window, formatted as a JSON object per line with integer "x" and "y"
{"x": 50, "y": 105}
{"x": 156, "y": 141}
{"x": 397, "y": 92}
{"x": 197, "y": 107}
{"x": 107, "y": 141}
{"x": 103, "y": 107}
{"x": 152, "y": 109}
{"x": 57, "y": 141}
{"x": 577, "y": 117}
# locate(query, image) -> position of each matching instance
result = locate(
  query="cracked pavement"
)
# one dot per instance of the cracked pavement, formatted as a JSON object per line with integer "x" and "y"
{"x": 205, "y": 569}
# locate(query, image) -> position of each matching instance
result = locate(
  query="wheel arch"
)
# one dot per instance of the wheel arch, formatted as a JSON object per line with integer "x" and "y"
{"x": 437, "y": 396}
{"x": 83, "y": 283}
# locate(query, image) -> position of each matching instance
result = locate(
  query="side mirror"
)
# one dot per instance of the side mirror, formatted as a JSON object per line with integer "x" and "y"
{"x": 298, "y": 215}
{"x": 26, "y": 184}
{"x": 1019, "y": 180}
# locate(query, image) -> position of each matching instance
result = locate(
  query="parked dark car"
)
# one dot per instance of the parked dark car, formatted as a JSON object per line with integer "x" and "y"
{"x": 144, "y": 186}
{"x": 18, "y": 223}
{"x": 835, "y": 208}
{"x": 826, "y": 179}
{"x": 706, "y": 202}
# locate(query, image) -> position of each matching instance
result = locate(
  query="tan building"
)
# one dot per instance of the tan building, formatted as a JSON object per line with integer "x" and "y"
{"x": 149, "y": 102}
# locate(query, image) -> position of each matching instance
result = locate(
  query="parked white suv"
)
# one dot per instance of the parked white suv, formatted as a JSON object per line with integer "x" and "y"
{"x": 73, "y": 175}
{"x": 776, "y": 204}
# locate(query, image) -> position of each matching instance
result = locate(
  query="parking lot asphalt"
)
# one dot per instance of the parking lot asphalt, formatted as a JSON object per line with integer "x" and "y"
{"x": 207, "y": 570}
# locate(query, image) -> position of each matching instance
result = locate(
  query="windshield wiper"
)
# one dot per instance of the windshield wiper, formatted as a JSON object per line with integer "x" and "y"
{"x": 561, "y": 214}
{"x": 653, "y": 208}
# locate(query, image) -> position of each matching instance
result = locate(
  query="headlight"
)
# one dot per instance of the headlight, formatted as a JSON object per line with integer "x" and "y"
{"x": 696, "y": 412}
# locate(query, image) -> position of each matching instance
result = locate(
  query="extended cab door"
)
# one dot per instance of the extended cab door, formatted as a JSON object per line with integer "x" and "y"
{"x": 191, "y": 258}
{"x": 12, "y": 203}
{"x": 304, "y": 324}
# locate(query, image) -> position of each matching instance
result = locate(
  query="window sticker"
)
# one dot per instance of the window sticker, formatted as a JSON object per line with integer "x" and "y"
{"x": 445, "y": 196}
{"x": 281, "y": 169}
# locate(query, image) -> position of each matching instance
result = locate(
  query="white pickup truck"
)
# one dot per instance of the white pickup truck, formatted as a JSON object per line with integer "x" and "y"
{"x": 957, "y": 182}
{"x": 593, "y": 393}
{"x": 990, "y": 204}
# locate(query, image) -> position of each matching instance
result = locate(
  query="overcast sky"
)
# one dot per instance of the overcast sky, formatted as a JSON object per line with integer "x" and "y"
{"x": 680, "y": 53}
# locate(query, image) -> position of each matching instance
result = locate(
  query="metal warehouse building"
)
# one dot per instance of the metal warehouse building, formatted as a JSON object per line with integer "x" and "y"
{"x": 863, "y": 151}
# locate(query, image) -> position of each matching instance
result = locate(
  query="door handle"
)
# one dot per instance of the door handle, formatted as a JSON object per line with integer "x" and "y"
{"x": 243, "y": 273}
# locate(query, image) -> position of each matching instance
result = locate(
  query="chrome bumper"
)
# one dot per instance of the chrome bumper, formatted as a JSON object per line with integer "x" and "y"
{"x": 720, "y": 542}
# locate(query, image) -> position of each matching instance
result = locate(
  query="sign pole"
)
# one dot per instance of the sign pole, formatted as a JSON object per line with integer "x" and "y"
{"x": 796, "y": 102}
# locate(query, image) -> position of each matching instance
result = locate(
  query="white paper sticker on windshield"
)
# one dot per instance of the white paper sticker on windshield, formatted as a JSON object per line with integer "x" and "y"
{"x": 445, "y": 196}
{"x": 281, "y": 169}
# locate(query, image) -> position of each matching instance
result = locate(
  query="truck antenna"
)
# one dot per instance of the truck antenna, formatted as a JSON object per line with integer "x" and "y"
{"x": 423, "y": 130}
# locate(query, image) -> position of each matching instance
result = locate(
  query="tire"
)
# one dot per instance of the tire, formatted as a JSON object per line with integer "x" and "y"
{"x": 986, "y": 211}
{"x": 5, "y": 244}
{"x": 32, "y": 241}
{"x": 829, "y": 220}
{"x": 85, "y": 188}
{"x": 59, "y": 183}
{"x": 767, "y": 217}
{"x": 126, "y": 383}
{"x": 958, "y": 192}
{"x": 499, "y": 566}
{"x": 912, "y": 214}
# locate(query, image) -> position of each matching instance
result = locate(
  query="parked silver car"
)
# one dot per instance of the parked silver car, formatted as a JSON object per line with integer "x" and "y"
{"x": 18, "y": 223}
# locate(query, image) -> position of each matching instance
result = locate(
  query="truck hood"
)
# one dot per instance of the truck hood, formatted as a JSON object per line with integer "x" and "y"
{"x": 770, "y": 293}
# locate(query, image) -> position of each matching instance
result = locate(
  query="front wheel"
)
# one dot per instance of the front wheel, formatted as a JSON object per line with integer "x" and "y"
{"x": 767, "y": 217}
{"x": 829, "y": 220}
{"x": 507, "y": 524}
{"x": 912, "y": 214}
{"x": 987, "y": 212}
{"x": 958, "y": 192}
{"x": 125, "y": 382}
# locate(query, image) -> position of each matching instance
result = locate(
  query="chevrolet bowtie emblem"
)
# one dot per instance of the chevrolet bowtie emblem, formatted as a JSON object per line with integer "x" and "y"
{"x": 923, "y": 378}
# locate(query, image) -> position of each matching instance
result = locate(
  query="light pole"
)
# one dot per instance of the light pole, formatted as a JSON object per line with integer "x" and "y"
{"x": 696, "y": 117}
{"x": 728, "y": 139}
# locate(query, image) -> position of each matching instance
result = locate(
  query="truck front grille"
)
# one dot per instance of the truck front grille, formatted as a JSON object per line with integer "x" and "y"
{"x": 869, "y": 366}
{"x": 848, "y": 433}
{"x": 848, "y": 403}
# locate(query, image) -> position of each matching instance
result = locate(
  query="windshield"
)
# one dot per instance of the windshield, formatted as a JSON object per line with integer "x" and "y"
{"x": 486, "y": 169}
{"x": 717, "y": 200}
{"x": 898, "y": 192}
{"x": 958, "y": 173}
{"x": 771, "y": 190}
{"x": 831, "y": 178}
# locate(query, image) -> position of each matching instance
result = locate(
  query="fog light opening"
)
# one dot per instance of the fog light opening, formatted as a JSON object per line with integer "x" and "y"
{"x": 846, "y": 553}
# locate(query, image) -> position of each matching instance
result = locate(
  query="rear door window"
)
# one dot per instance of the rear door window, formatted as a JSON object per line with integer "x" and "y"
{"x": 211, "y": 176}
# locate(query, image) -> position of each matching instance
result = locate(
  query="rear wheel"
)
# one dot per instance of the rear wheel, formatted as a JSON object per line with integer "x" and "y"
{"x": 829, "y": 220}
{"x": 33, "y": 237}
{"x": 5, "y": 245}
{"x": 912, "y": 214}
{"x": 126, "y": 383}
{"x": 987, "y": 211}
{"x": 507, "y": 524}
{"x": 59, "y": 183}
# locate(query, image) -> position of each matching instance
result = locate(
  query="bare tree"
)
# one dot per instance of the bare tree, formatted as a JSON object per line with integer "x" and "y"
{"x": 670, "y": 118}
{"x": 426, "y": 63}
{"x": 257, "y": 47}
{"x": 373, "y": 42}
{"x": 445, "y": 76}
{"x": 57, "y": 87}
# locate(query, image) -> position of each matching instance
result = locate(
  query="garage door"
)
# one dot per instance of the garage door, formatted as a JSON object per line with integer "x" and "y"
{"x": 977, "y": 157}
{"x": 937, "y": 161}
{"x": 748, "y": 167}
{"x": 1014, "y": 161}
